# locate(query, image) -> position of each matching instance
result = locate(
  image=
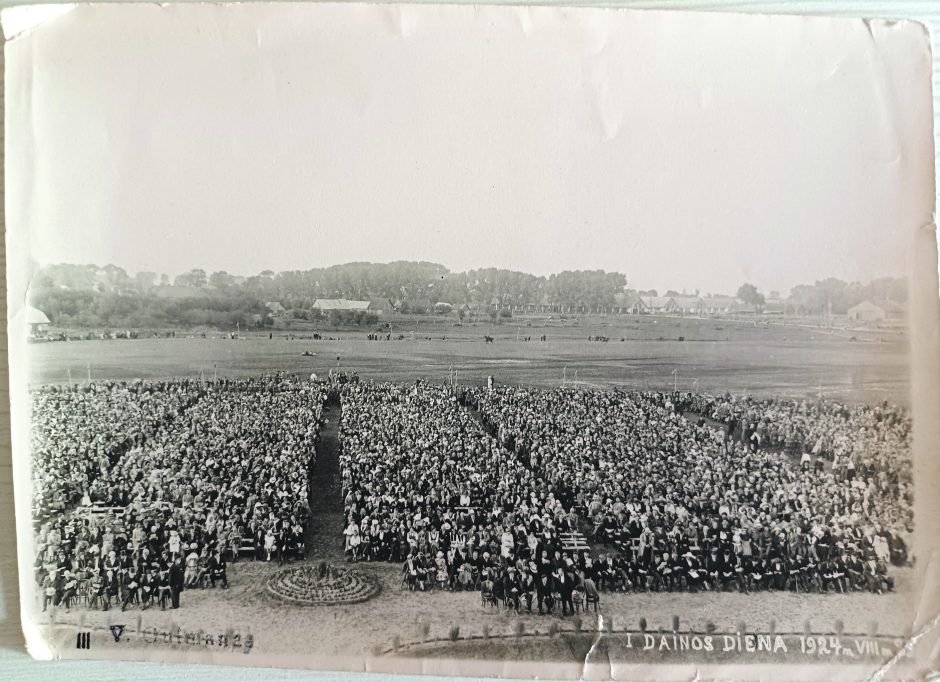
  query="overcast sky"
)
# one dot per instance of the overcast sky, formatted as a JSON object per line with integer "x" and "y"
{"x": 687, "y": 151}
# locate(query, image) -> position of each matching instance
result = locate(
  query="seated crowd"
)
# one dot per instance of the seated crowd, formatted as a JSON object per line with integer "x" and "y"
{"x": 225, "y": 470}
{"x": 675, "y": 503}
{"x": 144, "y": 489}
{"x": 683, "y": 506}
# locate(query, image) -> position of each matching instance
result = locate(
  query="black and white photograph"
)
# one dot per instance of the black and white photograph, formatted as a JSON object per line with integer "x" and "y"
{"x": 503, "y": 341}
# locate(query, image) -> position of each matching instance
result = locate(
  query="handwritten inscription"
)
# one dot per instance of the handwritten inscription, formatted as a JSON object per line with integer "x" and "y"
{"x": 773, "y": 645}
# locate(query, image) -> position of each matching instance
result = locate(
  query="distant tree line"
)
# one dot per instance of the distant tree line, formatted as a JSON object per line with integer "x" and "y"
{"x": 89, "y": 296}
{"x": 817, "y": 298}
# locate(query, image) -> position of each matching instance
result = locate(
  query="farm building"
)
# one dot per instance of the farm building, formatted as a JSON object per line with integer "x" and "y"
{"x": 688, "y": 305}
{"x": 872, "y": 311}
{"x": 718, "y": 305}
{"x": 674, "y": 305}
{"x": 629, "y": 303}
{"x": 275, "y": 308}
{"x": 742, "y": 308}
{"x": 659, "y": 304}
{"x": 380, "y": 306}
{"x": 37, "y": 320}
{"x": 328, "y": 304}
{"x": 415, "y": 306}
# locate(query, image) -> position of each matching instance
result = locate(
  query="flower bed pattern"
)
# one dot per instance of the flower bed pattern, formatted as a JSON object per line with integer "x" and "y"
{"x": 322, "y": 585}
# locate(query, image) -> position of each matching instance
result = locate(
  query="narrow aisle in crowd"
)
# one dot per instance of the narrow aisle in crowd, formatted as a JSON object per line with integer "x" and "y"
{"x": 325, "y": 530}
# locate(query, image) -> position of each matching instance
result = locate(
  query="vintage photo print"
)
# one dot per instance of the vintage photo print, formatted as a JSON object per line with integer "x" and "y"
{"x": 512, "y": 341}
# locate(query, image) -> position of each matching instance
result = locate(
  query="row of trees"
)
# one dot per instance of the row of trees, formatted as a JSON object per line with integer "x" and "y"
{"x": 819, "y": 297}
{"x": 397, "y": 281}
{"x": 93, "y": 296}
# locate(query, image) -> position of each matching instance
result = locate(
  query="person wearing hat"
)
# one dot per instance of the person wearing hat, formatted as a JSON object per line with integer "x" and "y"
{"x": 441, "y": 576}
{"x": 527, "y": 585}
{"x": 49, "y": 588}
{"x": 545, "y": 592}
{"x": 218, "y": 569}
{"x": 176, "y": 581}
{"x": 192, "y": 565}
{"x": 512, "y": 588}
{"x": 130, "y": 588}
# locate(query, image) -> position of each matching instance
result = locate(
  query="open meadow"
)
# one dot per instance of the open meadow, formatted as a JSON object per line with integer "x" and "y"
{"x": 642, "y": 352}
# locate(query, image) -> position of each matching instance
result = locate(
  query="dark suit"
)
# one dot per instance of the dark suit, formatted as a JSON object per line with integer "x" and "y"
{"x": 564, "y": 585}
{"x": 176, "y": 584}
{"x": 544, "y": 588}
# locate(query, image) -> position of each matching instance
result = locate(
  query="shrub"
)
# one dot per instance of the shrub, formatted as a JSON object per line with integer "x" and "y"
{"x": 454, "y": 633}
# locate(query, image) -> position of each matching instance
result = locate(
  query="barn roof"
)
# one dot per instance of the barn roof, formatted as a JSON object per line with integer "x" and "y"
{"x": 887, "y": 306}
{"x": 656, "y": 301}
{"x": 35, "y": 316}
{"x": 720, "y": 301}
{"x": 339, "y": 304}
{"x": 688, "y": 301}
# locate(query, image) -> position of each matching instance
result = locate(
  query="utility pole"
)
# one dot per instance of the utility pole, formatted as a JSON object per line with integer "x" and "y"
{"x": 675, "y": 381}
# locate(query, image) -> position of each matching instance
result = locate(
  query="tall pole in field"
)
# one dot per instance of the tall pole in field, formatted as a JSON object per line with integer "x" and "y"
{"x": 675, "y": 381}
{"x": 88, "y": 367}
{"x": 70, "y": 377}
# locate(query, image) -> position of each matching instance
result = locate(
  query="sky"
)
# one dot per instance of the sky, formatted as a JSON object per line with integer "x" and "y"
{"x": 688, "y": 151}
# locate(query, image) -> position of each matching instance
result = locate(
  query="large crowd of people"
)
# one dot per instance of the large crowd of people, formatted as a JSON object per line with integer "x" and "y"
{"x": 212, "y": 470}
{"x": 673, "y": 501}
{"x": 663, "y": 488}
{"x": 145, "y": 489}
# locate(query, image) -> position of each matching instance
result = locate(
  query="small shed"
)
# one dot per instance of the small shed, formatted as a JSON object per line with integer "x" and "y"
{"x": 37, "y": 320}
{"x": 873, "y": 311}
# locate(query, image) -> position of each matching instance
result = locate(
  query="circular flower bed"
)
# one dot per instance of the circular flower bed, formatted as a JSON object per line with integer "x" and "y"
{"x": 322, "y": 585}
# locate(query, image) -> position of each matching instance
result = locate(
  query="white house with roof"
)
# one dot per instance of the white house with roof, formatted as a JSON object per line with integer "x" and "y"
{"x": 37, "y": 321}
{"x": 875, "y": 311}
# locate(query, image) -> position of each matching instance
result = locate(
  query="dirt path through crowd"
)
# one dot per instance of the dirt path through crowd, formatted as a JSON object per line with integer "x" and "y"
{"x": 325, "y": 531}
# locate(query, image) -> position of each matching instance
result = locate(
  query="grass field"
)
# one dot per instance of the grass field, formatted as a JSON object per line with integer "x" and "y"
{"x": 716, "y": 356}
